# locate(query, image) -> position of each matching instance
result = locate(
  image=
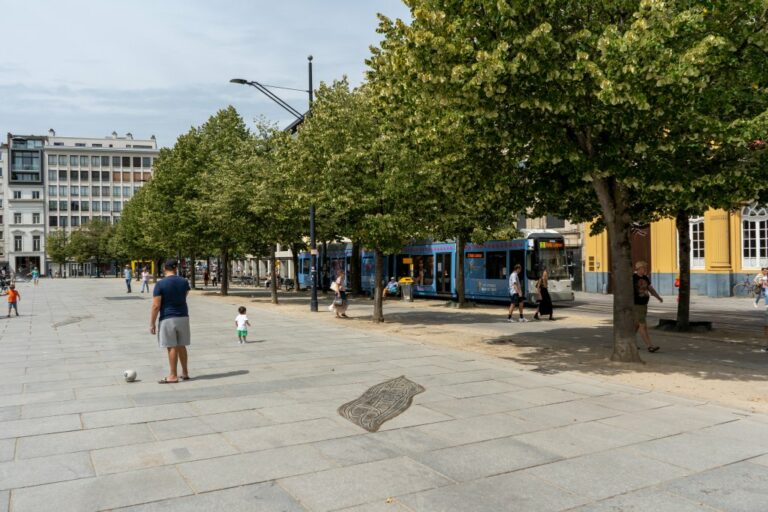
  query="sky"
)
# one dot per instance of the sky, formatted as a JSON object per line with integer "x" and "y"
{"x": 90, "y": 67}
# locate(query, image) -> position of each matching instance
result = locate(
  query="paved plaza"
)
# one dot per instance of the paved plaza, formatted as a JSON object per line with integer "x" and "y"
{"x": 257, "y": 428}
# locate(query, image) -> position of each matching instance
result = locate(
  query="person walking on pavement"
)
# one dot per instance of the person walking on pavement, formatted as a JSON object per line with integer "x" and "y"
{"x": 761, "y": 285}
{"x": 642, "y": 292}
{"x": 128, "y": 275}
{"x": 517, "y": 300}
{"x": 35, "y": 275}
{"x": 545, "y": 301}
{"x": 144, "y": 280}
{"x": 173, "y": 334}
{"x": 340, "y": 301}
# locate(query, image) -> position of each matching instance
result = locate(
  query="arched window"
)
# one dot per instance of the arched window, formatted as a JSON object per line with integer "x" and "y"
{"x": 754, "y": 236}
{"x": 697, "y": 242}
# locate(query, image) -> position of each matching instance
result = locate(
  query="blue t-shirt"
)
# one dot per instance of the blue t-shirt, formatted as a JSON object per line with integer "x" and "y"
{"x": 173, "y": 290}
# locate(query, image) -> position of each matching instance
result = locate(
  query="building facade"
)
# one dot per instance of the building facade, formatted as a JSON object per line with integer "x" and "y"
{"x": 61, "y": 183}
{"x": 726, "y": 248}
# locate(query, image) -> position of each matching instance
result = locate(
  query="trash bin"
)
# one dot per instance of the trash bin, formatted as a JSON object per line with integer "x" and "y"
{"x": 407, "y": 291}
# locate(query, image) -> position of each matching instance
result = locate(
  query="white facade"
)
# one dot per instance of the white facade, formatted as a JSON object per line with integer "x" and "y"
{"x": 52, "y": 182}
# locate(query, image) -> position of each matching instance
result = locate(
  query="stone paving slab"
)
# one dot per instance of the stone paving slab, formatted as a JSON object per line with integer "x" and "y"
{"x": 363, "y": 483}
{"x": 257, "y": 428}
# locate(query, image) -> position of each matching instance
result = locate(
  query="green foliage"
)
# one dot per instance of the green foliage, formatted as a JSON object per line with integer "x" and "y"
{"x": 56, "y": 246}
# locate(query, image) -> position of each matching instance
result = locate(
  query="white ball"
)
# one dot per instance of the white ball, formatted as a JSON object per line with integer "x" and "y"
{"x": 130, "y": 375}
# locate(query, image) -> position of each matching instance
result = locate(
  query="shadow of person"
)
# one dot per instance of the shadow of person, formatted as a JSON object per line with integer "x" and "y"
{"x": 220, "y": 375}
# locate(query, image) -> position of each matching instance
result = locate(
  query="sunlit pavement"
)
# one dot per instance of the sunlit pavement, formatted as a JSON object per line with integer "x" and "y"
{"x": 257, "y": 427}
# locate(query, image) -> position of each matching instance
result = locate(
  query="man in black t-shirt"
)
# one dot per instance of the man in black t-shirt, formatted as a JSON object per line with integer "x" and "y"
{"x": 643, "y": 291}
{"x": 170, "y": 303}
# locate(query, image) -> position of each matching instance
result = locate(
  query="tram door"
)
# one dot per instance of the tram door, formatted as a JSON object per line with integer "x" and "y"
{"x": 443, "y": 272}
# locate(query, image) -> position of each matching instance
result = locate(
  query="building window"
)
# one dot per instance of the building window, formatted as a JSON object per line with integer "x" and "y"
{"x": 35, "y": 218}
{"x": 116, "y": 177}
{"x": 83, "y": 221}
{"x": 697, "y": 242}
{"x": 126, "y": 191}
{"x": 63, "y": 206}
{"x": 137, "y": 161}
{"x": 17, "y": 244}
{"x": 115, "y": 191}
{"x": 83, "y": 175}
{"x": 115, "y": 161}
{"x": 62, "y": 160}
{"x": 146, "y": 162}
{"x": 53, "y": 221}
{"x": 73, "y": 161}
{"x": 1, "y": 236}
{"x": 73, "y": 175}
{"x": 96, "y": 191}
{"x": 53, "y": 190}
{"x": 79, "y": 144}
{"x": 83, "y": 161}
{"x": 106, "y": 206}
{"x": 74, "y": 190}
{"x": 75, "y": 221}
{"x": 35, "y": 194}
{"x": 126, "y": 161}
{"x": 96, "y": 145}
{"x": 63, "y": 222}
{"x": 17, "y": 218}
{"x": 117, "y": 206}
{"x": 84, "y": 191}
{"x": 85, "y": 206}
{"x": 95, "y": 162}
{"x": 555, "y": 222}
{"x": 96, "y": 206}
{"x": 95, "y": 176}
{"x": 75, "y": 206}
{"x": 53, "y": 175}
{"x": 17, "y": 194}
{"x": 104, "y": 175}
{"x": 53, "y": 206}
{"x": 62, "y": 175}
{"x": 126, "y": 177}
{"x": 754, "y": 236}
{"x": 36, "y": 243}
{"x": 52, "y": 159}
{"x": 105, "y": 161}
{"x": 63, "y": 190}
{"x": 105, "y": 191}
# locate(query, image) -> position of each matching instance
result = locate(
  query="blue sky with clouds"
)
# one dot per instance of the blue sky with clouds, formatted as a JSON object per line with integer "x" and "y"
{"x": 88, "y": 67}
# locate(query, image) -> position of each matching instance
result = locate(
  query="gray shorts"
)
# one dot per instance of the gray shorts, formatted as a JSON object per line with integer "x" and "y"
{"x": 174, "y": 332}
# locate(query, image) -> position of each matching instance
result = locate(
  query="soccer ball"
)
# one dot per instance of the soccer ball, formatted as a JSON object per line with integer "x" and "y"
{"x": 130, "y": 375}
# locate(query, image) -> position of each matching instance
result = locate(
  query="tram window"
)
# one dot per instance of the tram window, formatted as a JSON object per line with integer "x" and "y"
{"x": 403, "y": 266}
{"x": 517, "y": 258}
{"x": 305, "y": 266}
{"x": 423, "y": 269}
{"x": 496, "y": 265}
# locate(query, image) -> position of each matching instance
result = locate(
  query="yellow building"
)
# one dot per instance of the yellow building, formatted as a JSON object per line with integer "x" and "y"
{"x": 726, "y": 248}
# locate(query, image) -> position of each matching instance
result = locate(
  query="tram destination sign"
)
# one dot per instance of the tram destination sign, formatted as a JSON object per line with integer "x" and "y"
{"x": 552, "y": 244}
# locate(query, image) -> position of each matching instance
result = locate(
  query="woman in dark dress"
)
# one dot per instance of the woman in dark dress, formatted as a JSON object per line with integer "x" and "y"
{"x": 545, "y": 303}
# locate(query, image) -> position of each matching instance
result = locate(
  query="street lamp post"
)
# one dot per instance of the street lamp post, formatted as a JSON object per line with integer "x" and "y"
{"x": 264, "y": 89}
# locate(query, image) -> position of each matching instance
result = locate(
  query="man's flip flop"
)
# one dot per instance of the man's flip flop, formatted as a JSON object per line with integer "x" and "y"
{"x": 166, "y": 381}
{"x": 653, "y": 348}
{"x": 185, "y": 378}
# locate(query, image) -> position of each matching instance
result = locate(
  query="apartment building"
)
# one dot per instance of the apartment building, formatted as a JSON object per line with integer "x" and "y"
{"x": 54, "y": 182}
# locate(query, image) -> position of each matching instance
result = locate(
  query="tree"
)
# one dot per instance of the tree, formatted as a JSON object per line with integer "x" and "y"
{"x": 56, "y": 246}
{"x": 91, "y": 242}
{"x": 582, "y": 93}
{"x": 362, "y": 174}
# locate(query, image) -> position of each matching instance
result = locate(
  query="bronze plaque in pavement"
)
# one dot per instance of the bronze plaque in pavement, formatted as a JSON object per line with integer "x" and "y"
{"x": 381, "y": 403}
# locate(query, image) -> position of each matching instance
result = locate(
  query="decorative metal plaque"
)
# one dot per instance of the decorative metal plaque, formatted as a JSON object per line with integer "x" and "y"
{"x": 381, "y": 403}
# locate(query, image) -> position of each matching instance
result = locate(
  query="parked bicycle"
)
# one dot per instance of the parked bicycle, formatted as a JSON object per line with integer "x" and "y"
{"x": 745, "y": 288}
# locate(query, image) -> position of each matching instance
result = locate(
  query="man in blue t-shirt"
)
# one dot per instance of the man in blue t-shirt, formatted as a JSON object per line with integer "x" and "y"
{"x": 173, "y": 334}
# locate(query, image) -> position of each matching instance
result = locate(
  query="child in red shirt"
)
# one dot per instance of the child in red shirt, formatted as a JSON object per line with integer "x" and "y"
{"x": 13, "y": 298}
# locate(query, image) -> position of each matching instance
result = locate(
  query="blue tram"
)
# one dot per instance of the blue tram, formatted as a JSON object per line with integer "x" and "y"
{"x": 432, "y": 266}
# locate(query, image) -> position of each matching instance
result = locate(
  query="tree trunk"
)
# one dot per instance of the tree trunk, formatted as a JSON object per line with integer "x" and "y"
{"x": 460, "y": 292}
{"x": 684, "y": 252}
{"x": 378, "y": 291}
{"x": 273, "y": 278}
{"x": 295, "y": 259}
{"x": 356, "y": 278}
{"x": 225, "y": 274}
{"x": 192, "y": 269}
{"x": 613, "y": 203}
{"x": 257, "y": 279}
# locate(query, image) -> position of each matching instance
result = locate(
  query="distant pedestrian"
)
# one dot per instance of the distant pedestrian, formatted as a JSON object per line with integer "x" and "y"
{"x": 517, "y": 300}
{"x": 340, "y": 303}
{"x": 214, "y": 278}
{"x": 35, "y": 275}
{"x": 144, "y": 280}
{"x": 761, "y": 286}
{"x": 545, "y": 301}
{"x": 173, "y": 333}
{"x": 242, "y": 324}
{"x": 13, "y": 300}
{"x": 206, "y": 278}
{"x": 642, "y": 292}
{"x": 127, "y": 274}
